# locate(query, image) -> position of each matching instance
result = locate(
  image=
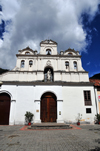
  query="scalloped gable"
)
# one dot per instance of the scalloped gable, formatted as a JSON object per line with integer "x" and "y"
{"x": 71, "y": 51}
{"x": 48, "y": 42}
{"x": 27, "y": 49}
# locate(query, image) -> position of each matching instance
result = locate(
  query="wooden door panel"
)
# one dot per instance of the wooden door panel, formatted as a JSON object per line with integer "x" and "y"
{"x": 48, "y": 109}
{"x": 4, "y": 108}
{"x": 53, "y": 110}
{"x": 44, "y": 110}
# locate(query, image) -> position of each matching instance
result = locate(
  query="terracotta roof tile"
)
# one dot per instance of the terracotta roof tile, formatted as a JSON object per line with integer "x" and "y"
{"x": 96, "y": 82}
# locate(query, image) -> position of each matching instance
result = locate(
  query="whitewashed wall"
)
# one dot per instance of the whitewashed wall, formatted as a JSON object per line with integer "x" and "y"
{"x": 33, "y": 76}
{"x": 73, "y": 103}
{"x": 70, "y": 102}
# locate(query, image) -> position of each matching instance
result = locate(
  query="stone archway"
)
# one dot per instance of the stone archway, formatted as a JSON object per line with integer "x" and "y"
{"x": 48, "y": 107}
{"x": 4, "y": 108}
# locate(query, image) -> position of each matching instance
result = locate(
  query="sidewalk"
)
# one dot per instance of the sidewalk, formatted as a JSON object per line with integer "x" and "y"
{"x": 85, "y": 139}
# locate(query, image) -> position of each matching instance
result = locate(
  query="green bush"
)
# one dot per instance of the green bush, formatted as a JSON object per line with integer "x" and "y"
{"x": 29, "y": 117}
{"x": 97, "y": 117}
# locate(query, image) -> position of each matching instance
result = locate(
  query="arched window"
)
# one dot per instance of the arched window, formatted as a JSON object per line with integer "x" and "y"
{"x": 67, "y": 64}
{"x": 30, "y": 63}
{"x": 22, "y": 64}
{"x": 75, "y": 65}
{"x": 27, "y": 53}
{"x": 48, "y": 52}
{"x": 70, "y": 54}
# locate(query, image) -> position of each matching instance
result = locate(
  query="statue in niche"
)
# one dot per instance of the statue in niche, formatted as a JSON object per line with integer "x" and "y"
{"x": 49, "y": 75}
{"x": 45, "y": 77}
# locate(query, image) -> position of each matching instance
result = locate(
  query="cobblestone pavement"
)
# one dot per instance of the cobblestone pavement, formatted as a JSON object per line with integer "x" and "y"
{"x": 85, "y": 139}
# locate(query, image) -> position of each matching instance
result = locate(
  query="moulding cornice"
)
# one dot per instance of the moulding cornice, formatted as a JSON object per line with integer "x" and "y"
{"x": 59, "y": 71}
{"x": 57, "y": 83}
{"x": 49, "y": 56}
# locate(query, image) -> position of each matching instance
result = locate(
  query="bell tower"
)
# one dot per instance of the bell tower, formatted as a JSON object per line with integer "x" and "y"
{"x": 48, "y": 47}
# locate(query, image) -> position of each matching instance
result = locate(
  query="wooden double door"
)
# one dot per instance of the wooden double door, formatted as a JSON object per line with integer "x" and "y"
{"x": 48, "y": 108}
{"x": 4, "y": 108}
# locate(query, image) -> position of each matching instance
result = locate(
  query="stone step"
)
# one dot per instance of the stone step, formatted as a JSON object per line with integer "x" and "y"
{"x": 49, "y": 126}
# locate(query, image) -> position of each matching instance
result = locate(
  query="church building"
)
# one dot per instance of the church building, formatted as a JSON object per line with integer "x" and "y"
{"x": 51, "y": 85}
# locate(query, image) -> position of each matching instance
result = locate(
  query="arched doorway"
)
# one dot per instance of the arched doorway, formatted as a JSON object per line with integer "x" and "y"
{"x": 4, "y": 108}
{"x": 48, "y": 107}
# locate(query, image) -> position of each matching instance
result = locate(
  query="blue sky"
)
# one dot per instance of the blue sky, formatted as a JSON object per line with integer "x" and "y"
{"x": 71, "y": 23}
{"x": 91, "y": 59}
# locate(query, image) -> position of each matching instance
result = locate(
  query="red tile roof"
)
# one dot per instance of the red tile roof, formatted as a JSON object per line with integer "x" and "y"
{"x": 96, "y": 82}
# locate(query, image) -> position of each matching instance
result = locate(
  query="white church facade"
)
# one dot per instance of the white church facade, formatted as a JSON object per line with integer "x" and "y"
{"x": 53, "y": 86}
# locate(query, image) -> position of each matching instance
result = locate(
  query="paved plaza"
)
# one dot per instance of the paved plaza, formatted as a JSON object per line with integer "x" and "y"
{"x": 85, "y": 139}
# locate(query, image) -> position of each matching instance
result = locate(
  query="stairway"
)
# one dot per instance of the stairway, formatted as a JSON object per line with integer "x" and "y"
{"x": 48, "y": 126}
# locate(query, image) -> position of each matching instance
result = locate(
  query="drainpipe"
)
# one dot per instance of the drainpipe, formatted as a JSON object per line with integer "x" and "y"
{"x": 95, "y": 100}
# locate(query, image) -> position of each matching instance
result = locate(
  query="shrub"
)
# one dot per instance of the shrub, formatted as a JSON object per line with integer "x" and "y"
{"x": 29, "y": 117}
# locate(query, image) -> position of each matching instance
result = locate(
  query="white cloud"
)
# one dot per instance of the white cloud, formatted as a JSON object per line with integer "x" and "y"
{"x": 95, "y": 29}
{"x": 1, "y": 43}
{"x": 88, "y": 63}
{"x": 32, "y": 21}
{"x": 9, "y": 8}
